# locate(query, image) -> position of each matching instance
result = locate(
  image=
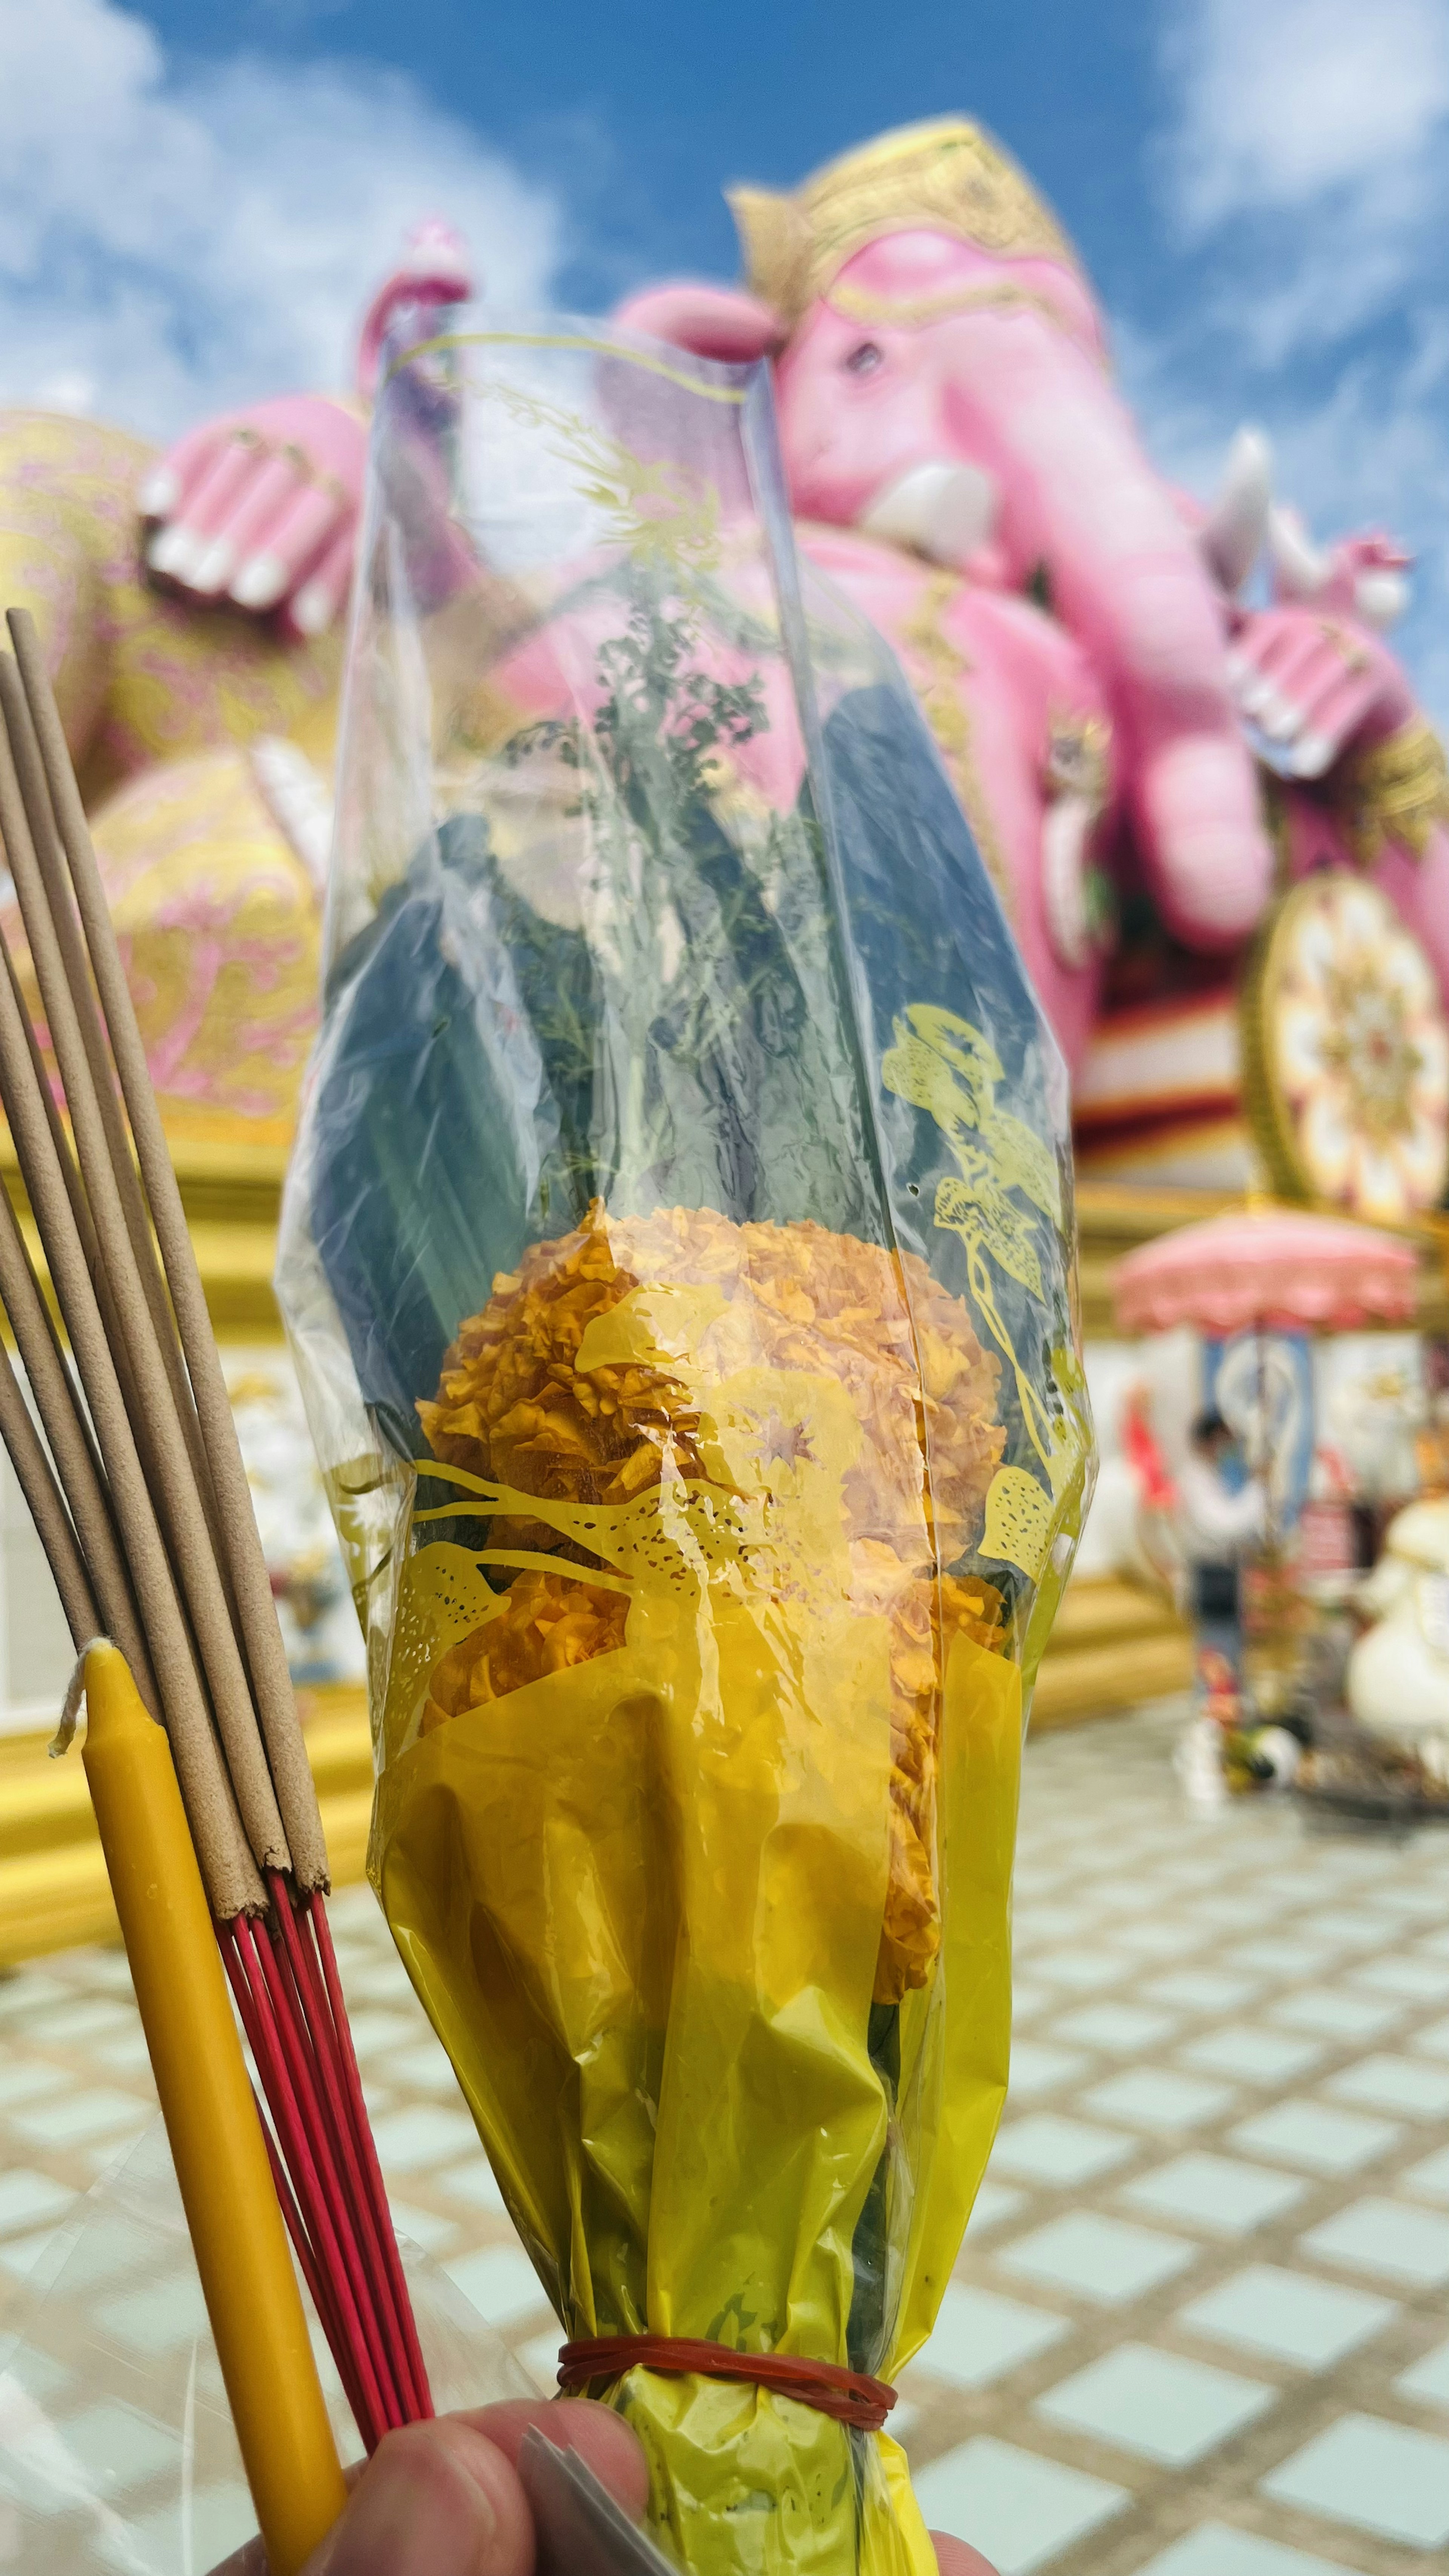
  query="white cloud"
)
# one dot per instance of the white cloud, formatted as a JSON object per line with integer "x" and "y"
{"x": 1284, "y": 101}
{"x": 1305, "y": 164}
{"x": 175, "y": 242}
{"x": 1309, "y": 148}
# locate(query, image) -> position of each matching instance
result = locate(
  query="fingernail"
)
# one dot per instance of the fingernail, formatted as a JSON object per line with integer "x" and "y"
{"x": 1314, "y": 753}
{"x": 216, "y": 563}
{"x": 260, "y": 582}
{"x": 173, "y": 552}
{"x": 314, "y": 608}
{"x": 159, "y": 493}
{"x": 415, "y": 2510}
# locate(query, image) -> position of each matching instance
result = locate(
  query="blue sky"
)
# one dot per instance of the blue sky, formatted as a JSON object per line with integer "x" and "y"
{"x": 194, "y": 200}
{"x": 639, "y": 113}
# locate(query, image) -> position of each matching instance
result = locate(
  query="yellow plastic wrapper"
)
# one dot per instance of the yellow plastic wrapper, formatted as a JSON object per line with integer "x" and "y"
{"x": 678, "y": 1257}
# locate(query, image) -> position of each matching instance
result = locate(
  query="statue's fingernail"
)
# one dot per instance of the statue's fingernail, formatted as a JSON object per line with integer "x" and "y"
{"x": 1314, "y": 753}
{"x": 159, "y": 493}
{"x": 211, "y": 573}
{"x": 174, "y": 552}
{"x": 314, "y": 608}
{"x": 260, "y": 582}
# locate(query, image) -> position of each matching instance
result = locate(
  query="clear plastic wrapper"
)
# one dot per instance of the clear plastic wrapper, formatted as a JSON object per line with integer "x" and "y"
{"x": 117, "y": 2451}
{"x": 678, "y": 1259}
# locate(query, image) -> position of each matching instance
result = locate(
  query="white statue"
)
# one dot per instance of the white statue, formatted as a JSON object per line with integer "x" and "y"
{"x": 1398, "y": 1673}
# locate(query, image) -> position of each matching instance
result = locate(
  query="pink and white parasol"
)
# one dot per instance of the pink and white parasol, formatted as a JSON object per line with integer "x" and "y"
{"x": 1270, "y": 1269}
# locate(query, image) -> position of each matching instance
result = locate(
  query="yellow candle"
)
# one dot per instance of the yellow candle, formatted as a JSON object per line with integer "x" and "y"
{"x": 221, "y": 2164}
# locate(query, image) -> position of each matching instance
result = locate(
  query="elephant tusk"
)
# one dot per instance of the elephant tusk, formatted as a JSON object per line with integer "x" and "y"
{"x": 298, "y": 800}
{"x": 1231, "y": 537}
{"x": 1302, "y": 570}
{"x": 1067, "y": 826}
{"x": 942, "y": 511}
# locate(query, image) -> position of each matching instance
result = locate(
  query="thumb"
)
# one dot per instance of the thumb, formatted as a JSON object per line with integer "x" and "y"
{"x": 957, "y": 2558}
{"x": 436, "y": 2500}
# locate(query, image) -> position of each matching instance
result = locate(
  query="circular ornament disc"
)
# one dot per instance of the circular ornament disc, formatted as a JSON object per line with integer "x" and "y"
{"x": 1346, "y": 1053}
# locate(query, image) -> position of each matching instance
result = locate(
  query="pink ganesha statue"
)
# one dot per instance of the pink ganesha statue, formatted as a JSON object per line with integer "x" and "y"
{"x": 1248, "y": 780}
{"x": 1250, "y": 792}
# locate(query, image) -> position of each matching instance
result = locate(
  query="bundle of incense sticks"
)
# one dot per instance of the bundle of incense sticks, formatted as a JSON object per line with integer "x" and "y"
{"x": 141, "y": 1502}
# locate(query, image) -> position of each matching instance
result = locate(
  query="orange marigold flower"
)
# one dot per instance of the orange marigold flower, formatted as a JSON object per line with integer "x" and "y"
{"x": 548, "y": 1621}
{"x": 513, "y": 1407}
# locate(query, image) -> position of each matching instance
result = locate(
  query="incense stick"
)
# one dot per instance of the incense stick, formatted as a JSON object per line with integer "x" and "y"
{"x": 77, "y": 1466}
{"x": 266, "y": 1654}
{"x": 47, "y": 1509}
{"x": 231, "y": 1874}
{"x": 55, "y": 944}
{"x": 153, "y": 1412}
{"x": 144, "y": 1510}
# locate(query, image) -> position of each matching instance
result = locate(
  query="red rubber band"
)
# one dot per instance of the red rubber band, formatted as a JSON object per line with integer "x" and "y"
{"x": 847, "y": 2396}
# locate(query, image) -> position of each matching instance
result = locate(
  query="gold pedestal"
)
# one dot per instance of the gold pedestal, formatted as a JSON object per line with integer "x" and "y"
{"x": 1115, "y": 1643}
{"x": 53, "y": 1887}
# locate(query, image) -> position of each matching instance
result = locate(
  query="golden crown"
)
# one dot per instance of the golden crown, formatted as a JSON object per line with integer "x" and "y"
{"x": 944, "y": 176}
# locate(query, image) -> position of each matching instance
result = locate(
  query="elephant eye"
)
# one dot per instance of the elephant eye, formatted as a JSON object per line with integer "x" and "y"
{"x": 865, "y": 358}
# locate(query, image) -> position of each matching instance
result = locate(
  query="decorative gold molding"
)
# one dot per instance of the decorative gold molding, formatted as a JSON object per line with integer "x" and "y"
{"x": 908, "y": 312}
{"x": 233, "y": 1201}
{"x": 54, "y": 1892}
{"x": 1397, "y": 791}
{"x": 232, "y": 1194}
{"x": 942, "y": 667}
{"x": 1114, "y": 1644}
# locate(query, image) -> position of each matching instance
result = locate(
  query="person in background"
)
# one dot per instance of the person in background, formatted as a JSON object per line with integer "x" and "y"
{"x": 1217, "y": 1527}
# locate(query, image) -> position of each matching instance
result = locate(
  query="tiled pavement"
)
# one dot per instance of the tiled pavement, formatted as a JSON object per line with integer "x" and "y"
{"x": 1201, "y": 2324}
{"x": 1200, "y": 2327}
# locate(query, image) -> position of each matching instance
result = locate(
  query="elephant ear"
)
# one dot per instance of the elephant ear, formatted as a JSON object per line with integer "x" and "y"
{"x": 717, "y": 322}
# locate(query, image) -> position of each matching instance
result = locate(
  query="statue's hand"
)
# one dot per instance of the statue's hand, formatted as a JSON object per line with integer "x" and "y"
{"x": 260, "y": 509}
{"x": 1314, "y": 684}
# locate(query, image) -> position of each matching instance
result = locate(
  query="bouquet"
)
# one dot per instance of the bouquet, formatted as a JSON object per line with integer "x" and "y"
{"x": 677, "y": 1255}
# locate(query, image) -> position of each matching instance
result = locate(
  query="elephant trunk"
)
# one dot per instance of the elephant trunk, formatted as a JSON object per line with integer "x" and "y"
{"x": 1083, "y": 510}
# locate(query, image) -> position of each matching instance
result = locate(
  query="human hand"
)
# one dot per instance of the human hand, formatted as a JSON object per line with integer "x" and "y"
{"x": 958, "y": 2558}
{"x": 445, "y": 2499}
